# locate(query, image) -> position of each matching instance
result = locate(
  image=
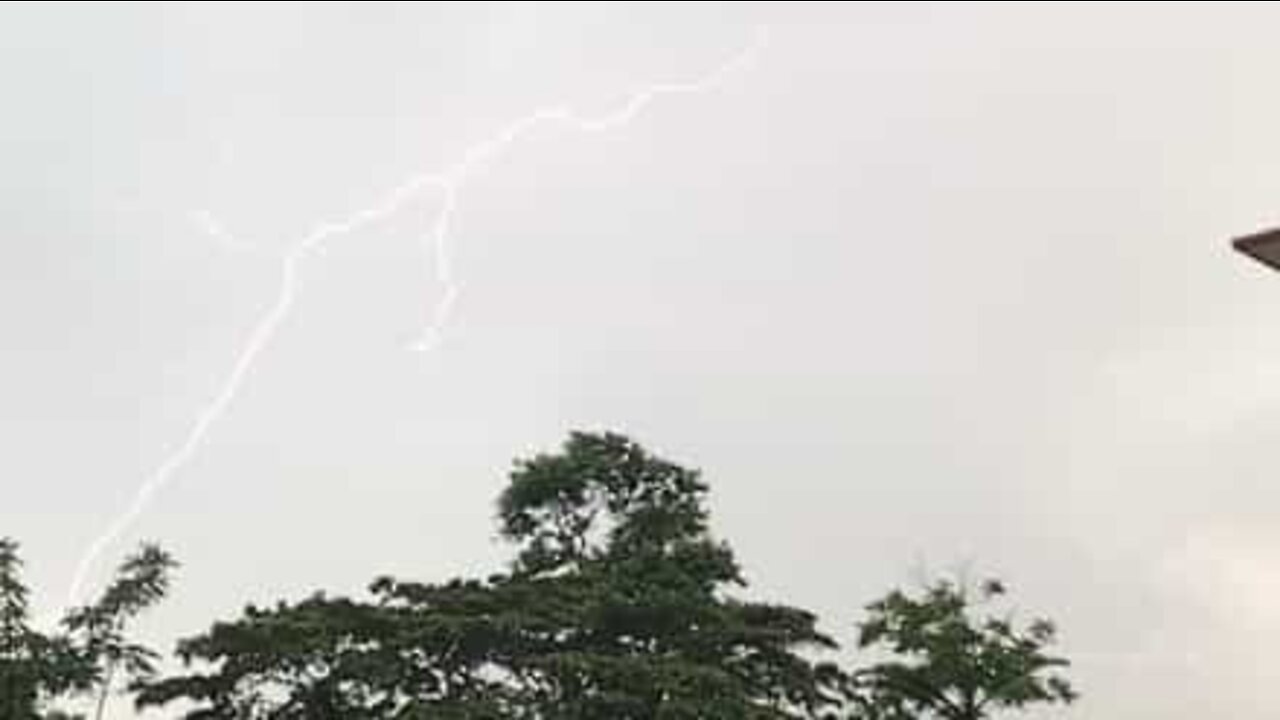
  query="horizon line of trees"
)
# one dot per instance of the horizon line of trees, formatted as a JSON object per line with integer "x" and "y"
{"x": 617, "y": 605}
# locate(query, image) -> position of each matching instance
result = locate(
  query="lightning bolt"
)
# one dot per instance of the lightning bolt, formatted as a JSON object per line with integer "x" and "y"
{"x": 449, "y": 183}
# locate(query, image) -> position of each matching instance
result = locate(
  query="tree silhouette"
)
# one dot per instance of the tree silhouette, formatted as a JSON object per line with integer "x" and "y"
{"x": 615, "y": 606}
{"x": 948, "y": 663}
{"x": 618, "y": 604}
{"x": 37, "y": 668}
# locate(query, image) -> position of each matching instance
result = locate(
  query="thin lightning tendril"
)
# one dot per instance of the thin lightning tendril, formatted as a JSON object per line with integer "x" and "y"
{"x": 449, "y": 184}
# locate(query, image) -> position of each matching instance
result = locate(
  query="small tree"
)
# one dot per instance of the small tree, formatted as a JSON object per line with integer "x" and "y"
{"x": 19, "y": 674}
{"x": 34, "y": 667}
{"x": 947, "y": 663}
{"x": 140, "y": 582}
{"x": 38, "y": 668}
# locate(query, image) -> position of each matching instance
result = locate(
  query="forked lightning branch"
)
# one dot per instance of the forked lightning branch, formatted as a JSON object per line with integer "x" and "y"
{"x": 449, "y": 184}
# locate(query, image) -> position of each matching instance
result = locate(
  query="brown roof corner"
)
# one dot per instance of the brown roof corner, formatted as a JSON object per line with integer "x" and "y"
{"x": 1263, "y": 247}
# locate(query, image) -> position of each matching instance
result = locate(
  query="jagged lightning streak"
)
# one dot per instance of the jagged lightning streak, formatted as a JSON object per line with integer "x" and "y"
{"x": 449, "y": 183}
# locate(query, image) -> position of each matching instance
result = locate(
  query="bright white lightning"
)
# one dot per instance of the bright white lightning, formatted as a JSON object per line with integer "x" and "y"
{"x": 449, "y": 183}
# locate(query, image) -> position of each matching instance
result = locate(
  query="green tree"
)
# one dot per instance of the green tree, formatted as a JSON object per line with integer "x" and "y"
{"x": 650, "y": 632}
{"x": 19, "y": 674}
{"x": 140, "y": 582}
{"x": 38, "y": 668}
{"x": 34, "y": 667}
{"x": 616, "y": 606}
{"x": 949, "y": 662}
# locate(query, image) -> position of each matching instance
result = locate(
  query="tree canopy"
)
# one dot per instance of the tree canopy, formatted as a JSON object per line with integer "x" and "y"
{"x": 947, "y": 662}
{"x": 618, "y": 603}
{"x": 615, "y": 606}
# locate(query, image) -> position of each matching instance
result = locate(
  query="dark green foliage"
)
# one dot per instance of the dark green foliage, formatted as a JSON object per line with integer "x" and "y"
{"x": 37, "y": 668}
{"x": 34, "y": 667}
{"x": 613, "y": 608}
{"x": 140, "y": 582}
{"x": 616, "y": 606}
{"x": 19, "y": 681}
{"x": 946, "y": 663}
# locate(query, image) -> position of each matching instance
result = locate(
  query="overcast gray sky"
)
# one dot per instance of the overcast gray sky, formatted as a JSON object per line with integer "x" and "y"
{"x": 918, "y": 287}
